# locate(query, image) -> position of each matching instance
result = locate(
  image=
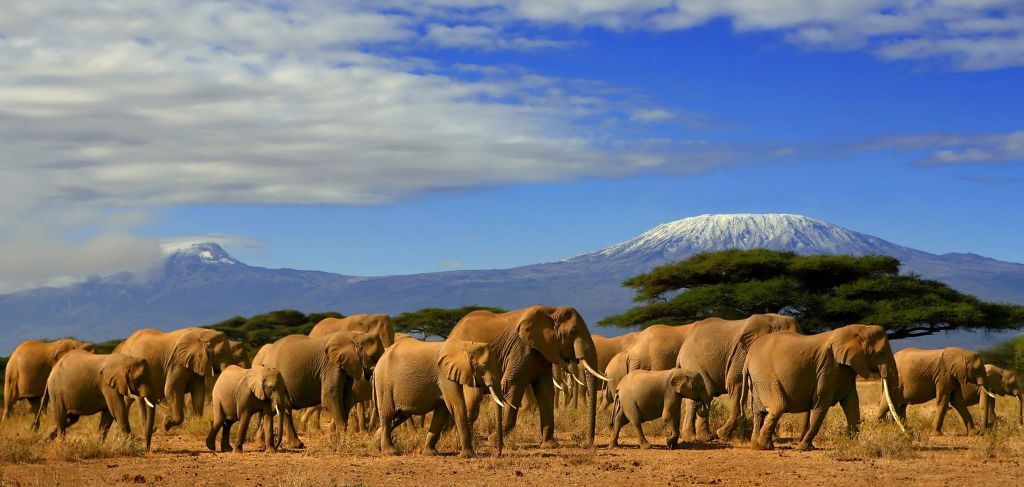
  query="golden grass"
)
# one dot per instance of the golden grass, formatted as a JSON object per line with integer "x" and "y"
{"x": 875, "y": 440}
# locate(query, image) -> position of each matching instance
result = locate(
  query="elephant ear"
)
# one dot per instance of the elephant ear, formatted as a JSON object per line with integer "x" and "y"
{"x": 753, "y": 329}
{"x": 116, "y": 378}
{"x": 848, "y": 349}
{"x": 538, "y": 331}
{"x": 256, "y": 384}
{"x": 678, "y": 382}
{"x": 194, "y": 354}
{"x": 957, "y": 364}
{"x": 341, "y": 351}
{"x": 455, "y": 361}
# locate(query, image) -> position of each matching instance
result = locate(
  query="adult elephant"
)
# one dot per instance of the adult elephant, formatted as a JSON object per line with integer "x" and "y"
{"x": 29, "y": 366}
{"x": 1004, "y": 382}
{"x": 321, "y": 371}
{"x": 378, "y": 324}
{"x": 946, "y": 376}
{"x": 718, "y": 348}
{"x": 528, "y": 342}
{"x": 607, "y": 348}
{"x": 793, "y": 373}
{"x": 616, "y": 371}
{"x": 180, "y": 362}
{"x": 657, "y": 347}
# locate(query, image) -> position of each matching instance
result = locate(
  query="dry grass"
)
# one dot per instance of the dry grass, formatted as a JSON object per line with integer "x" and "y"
{"x": 875, "y": 440}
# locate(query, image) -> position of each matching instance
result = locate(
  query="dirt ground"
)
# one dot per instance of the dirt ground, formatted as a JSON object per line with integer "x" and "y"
{"x": 180, "y": 458}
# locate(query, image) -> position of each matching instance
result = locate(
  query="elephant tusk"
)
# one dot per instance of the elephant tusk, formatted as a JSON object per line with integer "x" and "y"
{"x": 993, "y": 396}
{"x": 495, "y": 397}
{"x": 277, "y": 410}
{"x": 594, "y": 372}
{"x": 148, "y": 403}
{"x": 557, "y": 385}
{"x": 578, "y": 381}
{"x": 892, "y": 409}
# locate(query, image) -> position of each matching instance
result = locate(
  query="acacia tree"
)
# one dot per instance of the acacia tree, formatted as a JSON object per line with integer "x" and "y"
{"x": 437, "y": 322}
{"x": 822, "y": 291}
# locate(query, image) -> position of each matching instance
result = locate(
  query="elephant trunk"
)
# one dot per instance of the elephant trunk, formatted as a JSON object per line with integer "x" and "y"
{"x": 499, "y": 442}
{"x": 150, "y": 423}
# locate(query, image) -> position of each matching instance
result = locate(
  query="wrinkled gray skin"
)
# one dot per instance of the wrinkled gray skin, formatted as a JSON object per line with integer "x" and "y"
{"x": 607, "y": 348}
{"x": 321, "y": 371}
{"x": 647, "y": 395}
{"x": 945, "y": 376}
{"x": 415, "y": 378}
{"x": 528, "y": 342}
{"x": 29, "y": 366}
{"x": 238, "y": 395}
{"x": 83, "y": 384}
{"x": 615, "y": 371}
{"x": 718, "y": 348}
{"x": 792, "y": 373}
{"x": 1001, "y": 382}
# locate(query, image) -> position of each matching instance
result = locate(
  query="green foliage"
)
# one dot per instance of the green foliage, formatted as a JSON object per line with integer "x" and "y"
{"x": 258, "y": 330}
{"x": 1008, "y": 354}
{"x": 822, "y": 291}
{"x": 435, "y": 322}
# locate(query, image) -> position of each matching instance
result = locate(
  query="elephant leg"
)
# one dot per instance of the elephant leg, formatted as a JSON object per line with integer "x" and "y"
{"x": 225, "y": 438}
{"x": 851, "y": 409}
{"x": 640, "y": 437}
{"x": 389, "y": 420}
{"x": 106, "y": 419}
{"x": 618, "y": 421}
{"x": 673, "y": 425}
{"x": 36, "y": 403}
{"x": 763, "y": 441}
{"x": 960, "y": 406}
{"x": 804, "y": 421}
{"x": 817, "y": 416}
{"x": 689, "y": 432}
{"x": 544, "y": 390}
{"x": 293, "y": 437}
{"x": 197, "y": 393}
{"x": 703, "y": 425}
{"x": 243, "y": 429}
{"x": 455, "y": 407}
{"x": 733, "y": 412}
{"x": 941, "y": 405}
{"x": 757, "y": 421}
{"x": 437, "y": 424}
{"x": 215, "y": 426}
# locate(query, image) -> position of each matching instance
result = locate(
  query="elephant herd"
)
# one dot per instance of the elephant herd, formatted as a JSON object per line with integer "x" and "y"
{"x": 764, "y": 365}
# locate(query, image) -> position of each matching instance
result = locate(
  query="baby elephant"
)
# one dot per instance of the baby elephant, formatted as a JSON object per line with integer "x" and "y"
{"x": 644, "y": 395}
{"x": 238, "y": 395}
{"x": 82, "y": 384}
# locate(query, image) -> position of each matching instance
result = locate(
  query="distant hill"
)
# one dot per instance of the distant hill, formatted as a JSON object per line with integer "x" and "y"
{"x": 202, "y": 284}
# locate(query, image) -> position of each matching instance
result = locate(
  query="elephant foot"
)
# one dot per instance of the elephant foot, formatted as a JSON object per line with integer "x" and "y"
{"x": 613, "y": 444}
{"x": 672, "y": 442}
{"x": 211, "y": 443}
{"x": 645, "y": 446}
{"x": 688, "y": 436}
{"x": 389, "y": 450}
{"x": 724, "y": 432}
{"x": 237, "y": 449}
{"x": 806, "y": 446}
{"x": 467, "y": 453}
{"x": 706, "y": 436}
{"x": 294, "y": 445}
{"x": 550, "y": 443}
{"x": 429, "y": 452}
{"x": 762, "y": 443}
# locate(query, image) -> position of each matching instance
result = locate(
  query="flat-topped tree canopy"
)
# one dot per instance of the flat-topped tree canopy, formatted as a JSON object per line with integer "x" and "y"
{"x": 822, "y": 291}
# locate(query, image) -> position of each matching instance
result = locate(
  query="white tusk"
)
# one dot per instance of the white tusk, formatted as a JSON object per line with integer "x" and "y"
{"x": 495, "y": 397}
{"x": 557, "y": 386}
{"x": 148, "y": 403}
{"x": 993, "y": 396}
{"x": 277, "y": 411}
{"x": 594, "y": 372}
{"x": 577, "y": 379}
{"x": 892, "y": 409}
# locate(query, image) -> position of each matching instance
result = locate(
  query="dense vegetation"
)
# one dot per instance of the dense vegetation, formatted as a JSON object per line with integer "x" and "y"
{"x": 435, "y": 322}
{"x": 1008, "y": 354}
{"x": 822, "y": 291}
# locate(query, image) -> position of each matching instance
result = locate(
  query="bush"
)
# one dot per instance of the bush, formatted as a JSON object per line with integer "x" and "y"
{"x": 875, "y": 440}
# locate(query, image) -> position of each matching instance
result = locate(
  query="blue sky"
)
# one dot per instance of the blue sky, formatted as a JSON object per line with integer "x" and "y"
{"x": 428, "y": 136}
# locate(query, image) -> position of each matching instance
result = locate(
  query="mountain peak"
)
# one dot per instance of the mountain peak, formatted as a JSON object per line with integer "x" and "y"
{"x": 203, "y": 252}
{"x": 778, "y": 231}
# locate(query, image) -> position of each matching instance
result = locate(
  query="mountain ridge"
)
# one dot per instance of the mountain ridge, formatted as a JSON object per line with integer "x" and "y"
{"x": 201, "y": 283}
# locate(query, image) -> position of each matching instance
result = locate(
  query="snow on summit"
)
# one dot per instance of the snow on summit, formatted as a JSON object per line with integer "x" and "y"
{"x": 797, "y": 233}
{"x": 207, "y": 252}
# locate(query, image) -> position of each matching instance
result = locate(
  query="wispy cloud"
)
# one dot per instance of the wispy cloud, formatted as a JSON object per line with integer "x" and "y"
{"x": 954, "y": 149}
{"x": 452, "y": 264}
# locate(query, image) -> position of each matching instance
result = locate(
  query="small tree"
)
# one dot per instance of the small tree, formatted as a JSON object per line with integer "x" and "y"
{"x": 435, "y": 322}
{"x": 822, "y": 291}
{"x": 1008, "y": 354}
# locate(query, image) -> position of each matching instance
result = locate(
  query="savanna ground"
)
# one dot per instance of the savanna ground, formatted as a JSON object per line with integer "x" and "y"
{"x": 880, "y": 455}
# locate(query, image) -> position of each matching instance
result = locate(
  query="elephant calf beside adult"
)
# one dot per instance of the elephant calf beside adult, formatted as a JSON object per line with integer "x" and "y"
{"x": 321, "y": 371}
{"x": 946, "y": 376}
{"x": 528, "y": 342}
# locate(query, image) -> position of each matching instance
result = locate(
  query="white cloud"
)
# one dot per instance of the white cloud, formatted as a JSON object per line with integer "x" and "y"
{"x": 950, "y": 149}
{"x": 487, "y": 38}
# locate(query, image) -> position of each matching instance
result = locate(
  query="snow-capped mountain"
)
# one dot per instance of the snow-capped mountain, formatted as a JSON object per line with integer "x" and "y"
{"x": 201, "y": 283}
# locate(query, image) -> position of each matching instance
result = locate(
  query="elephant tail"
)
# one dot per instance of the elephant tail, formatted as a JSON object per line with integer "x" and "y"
{"x": 746, "y": 402}
{"x": 42, "y": 405}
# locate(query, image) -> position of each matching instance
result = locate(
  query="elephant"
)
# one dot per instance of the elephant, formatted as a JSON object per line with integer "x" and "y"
{"x": 238, "y": 395}
{"x": 415, "y": 378}
{"x": 718, "y": 349}
{"x": 528, "y": 342}
{"x": 180, "y": 362}
{"x": 321, "y": 371}
{"x": 1001, "y": 382}
{"x": 28, "y": 367}
{"x": 657, "y": 347}
{"x": 645, "y": 395}
{"x": 944, "y": 375}
{"x": 83, "y": 384}
{"x": 379, "y": 324}
{"x": 607, "y": 348}
{"x": 237, "y": 356}
{"x": 616, "y": 371}
{"x": 792, "y": 373}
